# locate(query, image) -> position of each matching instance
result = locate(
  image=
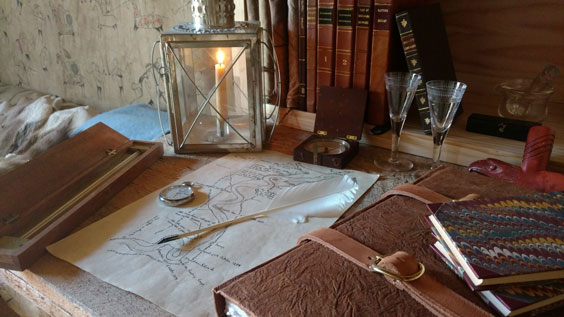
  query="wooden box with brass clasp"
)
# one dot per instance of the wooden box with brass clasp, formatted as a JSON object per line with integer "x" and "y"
{"x": 45, "y": 198}
{"x": 338, "y": 128}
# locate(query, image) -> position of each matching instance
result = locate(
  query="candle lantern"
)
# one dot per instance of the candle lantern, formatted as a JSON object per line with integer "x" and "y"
{"x": 214, "y": 82}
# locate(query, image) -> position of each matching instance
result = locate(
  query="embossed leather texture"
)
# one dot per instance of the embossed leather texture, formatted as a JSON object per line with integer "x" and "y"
{"x": 311, "y": 280}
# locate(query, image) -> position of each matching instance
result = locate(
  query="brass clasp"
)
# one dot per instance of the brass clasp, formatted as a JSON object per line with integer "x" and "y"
{"x": 396, "y": 276}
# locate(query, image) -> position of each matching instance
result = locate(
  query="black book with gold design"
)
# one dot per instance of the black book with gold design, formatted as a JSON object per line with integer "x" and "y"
{"x": 425, "y": 44}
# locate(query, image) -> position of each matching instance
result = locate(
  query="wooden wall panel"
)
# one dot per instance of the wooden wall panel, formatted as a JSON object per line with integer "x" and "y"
{"x": 492, "y": 41}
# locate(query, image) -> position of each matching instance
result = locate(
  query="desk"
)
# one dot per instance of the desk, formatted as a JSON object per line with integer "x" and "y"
{"x": 61, "y": 289}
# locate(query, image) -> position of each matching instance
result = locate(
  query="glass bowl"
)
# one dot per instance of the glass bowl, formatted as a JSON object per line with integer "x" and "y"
{"x": 519, "y": 102}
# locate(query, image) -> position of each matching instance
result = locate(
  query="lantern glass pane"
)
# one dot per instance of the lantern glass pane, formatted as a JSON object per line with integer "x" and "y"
{"x": 207, "y": 116}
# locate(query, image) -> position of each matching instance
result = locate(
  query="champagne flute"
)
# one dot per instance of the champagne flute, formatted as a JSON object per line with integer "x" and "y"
{"x": 400, "y": 89}
{"x": 444, "y": 98}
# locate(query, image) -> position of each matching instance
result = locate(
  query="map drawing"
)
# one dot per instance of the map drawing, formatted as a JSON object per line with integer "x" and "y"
{"x": 121, "y": 249}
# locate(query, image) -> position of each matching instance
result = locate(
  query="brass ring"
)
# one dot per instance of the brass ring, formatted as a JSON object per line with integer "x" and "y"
{"x": 397, "y": 276}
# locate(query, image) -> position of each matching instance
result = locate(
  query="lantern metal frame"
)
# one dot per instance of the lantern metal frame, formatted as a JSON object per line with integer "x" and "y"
{"x": 247, "y": 36}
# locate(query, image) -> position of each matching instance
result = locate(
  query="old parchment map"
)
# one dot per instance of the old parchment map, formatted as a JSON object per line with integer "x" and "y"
{"x": 178, "y": 276}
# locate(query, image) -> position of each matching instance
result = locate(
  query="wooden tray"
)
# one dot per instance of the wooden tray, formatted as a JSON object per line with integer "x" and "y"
{"x": 46, "y": 198}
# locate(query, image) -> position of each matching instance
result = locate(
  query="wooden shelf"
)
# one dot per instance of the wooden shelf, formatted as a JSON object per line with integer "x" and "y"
{"x": 490, "y": 42}
{"x": 461, "y": 147}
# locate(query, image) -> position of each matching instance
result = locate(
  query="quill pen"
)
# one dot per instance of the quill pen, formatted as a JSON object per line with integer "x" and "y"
{"x": 326, "y": 198}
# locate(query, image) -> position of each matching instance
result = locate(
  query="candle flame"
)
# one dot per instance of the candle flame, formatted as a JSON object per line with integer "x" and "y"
{"x": 219, "y": 56}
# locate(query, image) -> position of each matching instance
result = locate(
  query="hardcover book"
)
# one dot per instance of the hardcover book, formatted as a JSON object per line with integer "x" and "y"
{"x": 279, "y": 17}
{"x": 344, "y": 43}
{"x": 382, "y": 59}
{"x": 293, "y": 59}
{"x": 312, "y": 280}
{"x": 425, "y": 44}
{"x": 362, "y": 43}
{"x": 377, "y": 108}
{"x": 302, "y": 54}
{"x": 504, "y": 240}
{"x": 311, "y": 55}
{"x": 511, "y": 299}
{"x": 325, "y": 44}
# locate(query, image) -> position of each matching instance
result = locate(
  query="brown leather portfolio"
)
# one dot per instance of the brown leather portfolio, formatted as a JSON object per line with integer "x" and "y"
{"x": 312, "y": 280}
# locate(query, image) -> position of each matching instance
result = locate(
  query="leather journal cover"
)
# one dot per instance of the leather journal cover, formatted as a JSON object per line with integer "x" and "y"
{"x": 344, "y": 43}
{"x": 311, "y": 279}
{"x": 325, "y": 43}
{"x": 311, "y": 55}
{"x": 425, "y": 45}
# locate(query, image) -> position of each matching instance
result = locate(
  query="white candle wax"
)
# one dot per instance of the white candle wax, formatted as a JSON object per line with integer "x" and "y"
{"x": 221, "y": 95}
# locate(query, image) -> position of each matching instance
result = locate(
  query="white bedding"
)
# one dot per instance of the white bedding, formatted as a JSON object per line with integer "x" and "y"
{"x": 31, "y": 122}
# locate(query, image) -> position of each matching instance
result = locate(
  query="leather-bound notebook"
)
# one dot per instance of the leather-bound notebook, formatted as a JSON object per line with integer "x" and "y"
{"x": 344, "y": 43}
{"x": 311, "y": 55}
{"x": 312, "y": 280}
{"x": 362, "y": 42}
{"x": 326, "y": 27}
{"x": 425, "y": 44}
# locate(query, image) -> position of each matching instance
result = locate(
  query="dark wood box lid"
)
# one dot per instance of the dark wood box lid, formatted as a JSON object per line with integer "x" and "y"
{"x": 340, "y": 112}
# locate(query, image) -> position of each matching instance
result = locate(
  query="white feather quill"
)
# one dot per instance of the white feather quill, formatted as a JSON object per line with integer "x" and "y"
{"x": 325, "y": 199}
{"x": 322, "y": 199}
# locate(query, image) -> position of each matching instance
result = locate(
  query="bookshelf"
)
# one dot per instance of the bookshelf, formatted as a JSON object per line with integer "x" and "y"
{"x": 461, "y": 147}
{"x": 491, "y": 42}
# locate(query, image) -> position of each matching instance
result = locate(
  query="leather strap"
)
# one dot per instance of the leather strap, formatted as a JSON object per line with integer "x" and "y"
{"x": 437, "y": 298}
{"x": 423, "y": 194}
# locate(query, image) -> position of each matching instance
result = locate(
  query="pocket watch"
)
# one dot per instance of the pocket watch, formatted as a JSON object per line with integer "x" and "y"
{"x": 176, "y": 195}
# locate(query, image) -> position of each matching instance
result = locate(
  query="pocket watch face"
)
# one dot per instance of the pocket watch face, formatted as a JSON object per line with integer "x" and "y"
{"x": 177, "y": 194}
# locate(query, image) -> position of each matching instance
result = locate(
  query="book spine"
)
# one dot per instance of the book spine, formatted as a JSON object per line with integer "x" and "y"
{"x": 325, "y": 44}
{"x": 311, "y": 56}
{"x": 377, "y": 109}
{"x": 279, "y": 17}
{"x": 302, "y": 51}
{"x": 293, "y": 69}
{"x": 362, "y": 44}
{"x": 344, "y": 43}
{"x": 409, "y": 45}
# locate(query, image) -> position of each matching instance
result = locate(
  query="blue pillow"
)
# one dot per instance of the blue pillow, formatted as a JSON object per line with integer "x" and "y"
{"x": 136, "y": 122}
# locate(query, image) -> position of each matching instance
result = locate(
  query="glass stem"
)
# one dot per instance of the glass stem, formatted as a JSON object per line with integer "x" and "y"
{"x": 436, "y": 153}
{"x": 396, "y": 131}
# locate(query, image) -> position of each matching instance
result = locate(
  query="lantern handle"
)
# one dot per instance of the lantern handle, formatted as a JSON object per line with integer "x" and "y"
{"x": 162, "y": 71}
{"x": 277, "y": 89}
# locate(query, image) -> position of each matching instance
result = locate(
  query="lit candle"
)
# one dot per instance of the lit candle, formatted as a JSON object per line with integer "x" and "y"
{"x": 220, "y": 95}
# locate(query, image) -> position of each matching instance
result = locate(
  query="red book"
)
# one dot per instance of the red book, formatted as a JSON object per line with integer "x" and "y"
{"x": 377, "y": 109}
{"x": 311, "y": 55}
{"x": 362, "y": 44}
{"x": 302, "y": 51}
{"x": 344, "y": 43}
{"x": 325, "y": 43}
{"x": 279, "y": 17}
{"x": 293, "y": 68}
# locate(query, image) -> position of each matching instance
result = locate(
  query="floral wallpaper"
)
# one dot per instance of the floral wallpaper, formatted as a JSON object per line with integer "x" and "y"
{"x": 92, "y": 52}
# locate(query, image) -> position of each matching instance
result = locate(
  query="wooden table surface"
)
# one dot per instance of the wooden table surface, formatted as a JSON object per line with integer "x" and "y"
{"x": 61, "y": 289}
